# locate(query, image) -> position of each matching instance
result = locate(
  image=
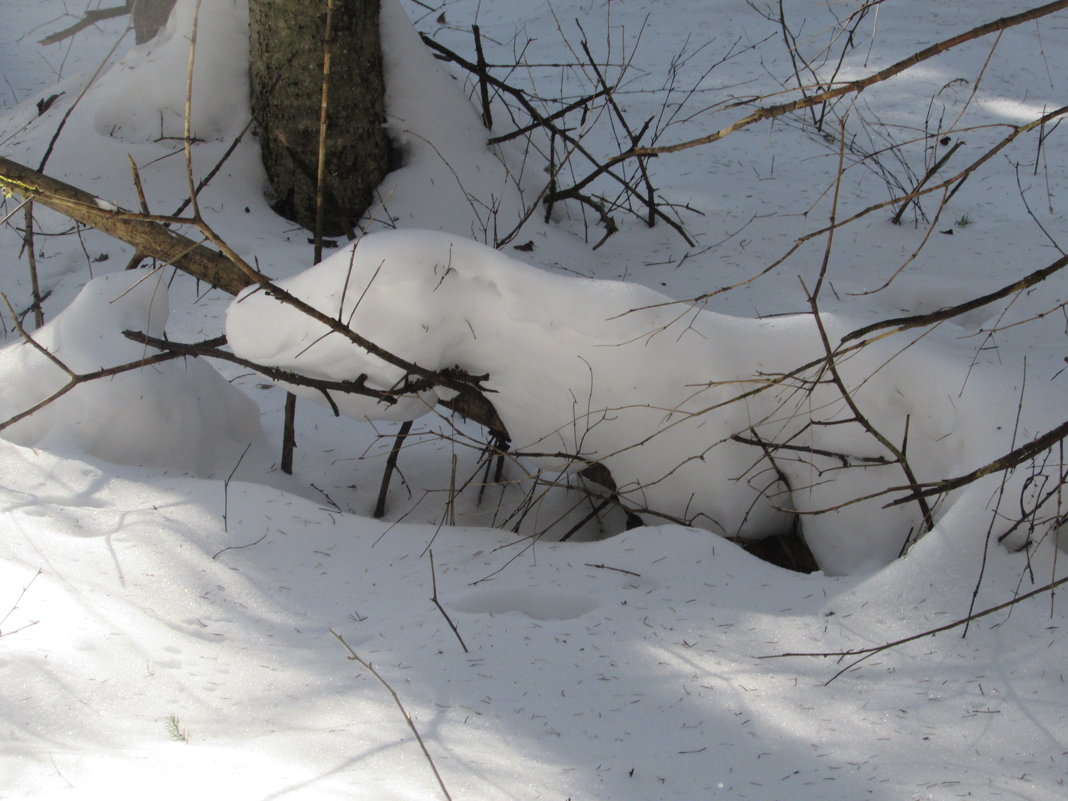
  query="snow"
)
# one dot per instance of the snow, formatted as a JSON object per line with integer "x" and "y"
{"x": 446, "y": 179}
{"x": 135, "y": 110}
{"x": 171, "y": 602}
{"x": 178, "y": 414}
{"x": 617, "y": 374}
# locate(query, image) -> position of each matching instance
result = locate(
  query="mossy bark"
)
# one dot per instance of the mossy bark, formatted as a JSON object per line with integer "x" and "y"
{"x": 286, "y": 70}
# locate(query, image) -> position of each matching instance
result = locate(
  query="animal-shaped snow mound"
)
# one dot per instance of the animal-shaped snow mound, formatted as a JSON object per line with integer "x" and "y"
{"x": 700, "y": 417}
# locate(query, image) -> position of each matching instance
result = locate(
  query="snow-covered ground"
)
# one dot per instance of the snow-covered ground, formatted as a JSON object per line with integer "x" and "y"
{"x": 177, "y": 613}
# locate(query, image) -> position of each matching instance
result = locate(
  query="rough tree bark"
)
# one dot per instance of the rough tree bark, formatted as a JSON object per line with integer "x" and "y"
{"x": 287, "y": 45}
{"x": 148, "y": 17}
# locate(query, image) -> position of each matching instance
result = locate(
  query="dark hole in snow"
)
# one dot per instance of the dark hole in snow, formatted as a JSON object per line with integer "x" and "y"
{"x": 788, "y": 551}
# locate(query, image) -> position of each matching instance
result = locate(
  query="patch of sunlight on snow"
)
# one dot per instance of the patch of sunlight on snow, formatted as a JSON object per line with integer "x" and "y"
{"x": 1014, "y": 110}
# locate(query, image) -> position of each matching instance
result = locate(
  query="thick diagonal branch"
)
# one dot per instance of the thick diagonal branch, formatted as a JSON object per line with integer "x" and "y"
{"x": 146, "y": 235}
{"x": 225, "y": 270}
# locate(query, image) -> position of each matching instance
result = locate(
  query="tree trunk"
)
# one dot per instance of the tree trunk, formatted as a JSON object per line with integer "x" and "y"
{"x": 286, "y": 70}
{"x": 149, "y": 16}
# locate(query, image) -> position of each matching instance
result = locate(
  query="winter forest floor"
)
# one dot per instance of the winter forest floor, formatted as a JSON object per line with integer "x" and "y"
{"x": 178, "y": 616}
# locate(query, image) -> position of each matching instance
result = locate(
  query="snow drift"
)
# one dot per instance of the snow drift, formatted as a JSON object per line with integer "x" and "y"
{"x": 178, "y": 414}
{"x": 700, "y": 417}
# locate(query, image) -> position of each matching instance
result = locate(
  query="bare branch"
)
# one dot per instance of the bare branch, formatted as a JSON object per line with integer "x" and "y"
{"x": 770, "y": 112}
{"x": 898, "y": 452}
{"x": 92, "y": 17}
{"x": 74, "y": 378}
{"x": 354, "y": 657}
{"x": 226, "y": 271}
{"x": 145, "y": 235}
{"x": 1010, "y": 460}
{"x": 899, "y": 324}
{"x": 866, "y": 653}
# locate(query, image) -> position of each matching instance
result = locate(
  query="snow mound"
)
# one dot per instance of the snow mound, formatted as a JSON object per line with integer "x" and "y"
{"x": 677, "y": 403}
{"x": 143, "y": 97}
{"x": 450, "y": 179}
{"x": 178, "y": 414}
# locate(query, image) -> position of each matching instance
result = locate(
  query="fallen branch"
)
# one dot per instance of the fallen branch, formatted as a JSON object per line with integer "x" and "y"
{"x": 899, "y": 324}
{"x": 354, "y": 657}
{"x": 75, "y": 378}
{"x": 1015, "y": 132}
{"x": 927, "y": 489}
{"x": 1010, "y": 460}
{"x": 212, "y": 348}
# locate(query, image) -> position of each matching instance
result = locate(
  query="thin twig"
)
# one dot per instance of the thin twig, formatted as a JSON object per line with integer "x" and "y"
{"x": 616, "y": 569}
{"x": 437, "y": 603}
{"x": 138, "y": 186}
{"x": 238, "y": 547}
{"x": 226, "y": 489}
{"x": 917, "y": 494}
{"x": 74, "y": 378}
{"x": 354, "y": 657}
{"x": 324, "y": 105}
{"x": 187, "y": 143}
{"x": 896, "y": 219}
{"x": 38, "y": 310}
{"x": 15, "y": 606}
{"x": 1000, "y": 495}
{"x": 31, "y": 257}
